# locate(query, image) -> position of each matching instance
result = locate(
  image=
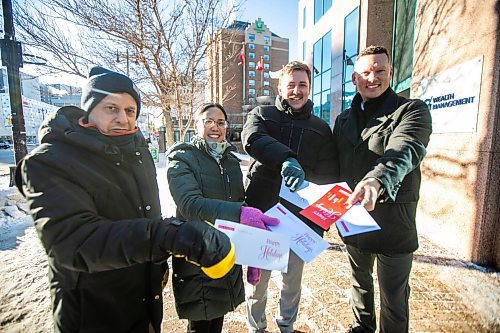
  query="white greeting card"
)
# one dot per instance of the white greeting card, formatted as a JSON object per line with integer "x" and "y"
{"x": 257, "y": 247}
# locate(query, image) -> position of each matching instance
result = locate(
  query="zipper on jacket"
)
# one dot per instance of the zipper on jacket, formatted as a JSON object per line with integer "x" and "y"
{"x": 290, "y": 137}
{"x": 227, "y": 185}
{"x": 300, "y": 141}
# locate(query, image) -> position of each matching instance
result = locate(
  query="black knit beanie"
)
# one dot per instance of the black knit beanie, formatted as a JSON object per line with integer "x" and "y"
{"x": 102, "y": 82}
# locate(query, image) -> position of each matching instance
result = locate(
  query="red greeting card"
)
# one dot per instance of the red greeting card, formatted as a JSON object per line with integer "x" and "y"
{"x": 329, "y": 208}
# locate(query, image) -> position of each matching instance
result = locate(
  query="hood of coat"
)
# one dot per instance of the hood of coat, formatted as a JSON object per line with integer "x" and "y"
{"x": 303, "y": 113}
{"x": 62, "y": 126}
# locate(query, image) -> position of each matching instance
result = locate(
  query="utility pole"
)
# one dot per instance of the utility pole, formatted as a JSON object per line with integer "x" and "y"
{"x": 12, "y": 58}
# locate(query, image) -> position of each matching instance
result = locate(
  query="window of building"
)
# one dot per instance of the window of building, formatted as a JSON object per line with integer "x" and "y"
{"x": 322, "y": 69}
{"x": 252, "y": 100}
{"x": 251, "y": 91}
{"x": 266, "y": 48}
{"x": 251, "y": 37}
{"x": 251, "y": 64}
{"x": 304, "y": 50}
{"x": 351, "y": 36}
{"x": 304, "y": 17}
{"x": 320, "y": 8}
{"x": 251, "y": 82}
{"x": 235, "y": 135}
{"x": 267, "y": 39}
{"x": 189, "y": 135}
{"x": 251, "y": 55}
{"x": 402, "y": 44}
{"x": 251, "y": 73}
{"x": 266, "y": 66}
{"x": 266, "y": 57}
{"x": 251, "y": 46}
{"x": 266, "y": 75}
{"x": 265, "y": 92}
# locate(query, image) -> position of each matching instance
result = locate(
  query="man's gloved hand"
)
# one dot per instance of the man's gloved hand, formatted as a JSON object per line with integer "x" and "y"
{"x": 255, "y": 218}
{"x": 201, "y": 244}
{"x": 292, "y": 173}
{"x": 253, "y": 275}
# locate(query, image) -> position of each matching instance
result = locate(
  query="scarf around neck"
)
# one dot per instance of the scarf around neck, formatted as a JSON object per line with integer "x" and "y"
{"x": 214, "y": 149}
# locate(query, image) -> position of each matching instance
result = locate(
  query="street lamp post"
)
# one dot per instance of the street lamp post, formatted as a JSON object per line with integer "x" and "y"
{"x": 12, "y": 59}
{"x": 127, "y": 59}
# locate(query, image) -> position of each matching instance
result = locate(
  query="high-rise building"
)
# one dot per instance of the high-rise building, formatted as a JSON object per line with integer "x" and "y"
{"x": 60, "y": 94}
{"x": 34, "y": 110}
{"x": 241, "y": 61}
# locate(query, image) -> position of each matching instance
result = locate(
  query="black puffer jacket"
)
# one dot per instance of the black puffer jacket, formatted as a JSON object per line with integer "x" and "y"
{"x": 94, "y": 201}
{"x": 270, "y": 135}
{"x": 204, "y": 189}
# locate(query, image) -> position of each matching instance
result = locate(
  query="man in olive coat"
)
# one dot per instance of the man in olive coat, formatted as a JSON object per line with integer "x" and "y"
{"x": 381, "y": 141}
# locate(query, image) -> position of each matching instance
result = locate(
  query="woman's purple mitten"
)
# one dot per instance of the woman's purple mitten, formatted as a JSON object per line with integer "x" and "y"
{"x": 255, "y": 218}
{"x": 253, "y": 275}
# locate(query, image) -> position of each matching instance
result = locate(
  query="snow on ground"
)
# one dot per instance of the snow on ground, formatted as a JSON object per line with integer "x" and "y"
{"x": 25, "y": 298}
{"x": 25, "y": 304}
{"x": 437, "y": 277}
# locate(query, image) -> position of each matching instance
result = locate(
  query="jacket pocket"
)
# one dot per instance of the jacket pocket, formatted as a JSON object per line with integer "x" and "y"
{"x": 378, "y": 140}
{"x": 406, "y": 213}
{"x": 377, "y": 144}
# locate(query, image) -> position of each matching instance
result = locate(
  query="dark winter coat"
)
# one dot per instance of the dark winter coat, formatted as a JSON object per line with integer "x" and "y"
{"x": 270, "y": 135}
{"x": 389, "y": 148}
{"x": 94, "y": 200}
{"x": 204, "y": 189}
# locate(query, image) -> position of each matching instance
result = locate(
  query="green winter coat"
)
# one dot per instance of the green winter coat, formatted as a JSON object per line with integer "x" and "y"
{"x": 204, "y": 189}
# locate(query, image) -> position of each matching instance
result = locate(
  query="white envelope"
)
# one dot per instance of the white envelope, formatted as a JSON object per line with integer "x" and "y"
{"x": 306, "y": 243}
{"x": 257, "y": 247}
{"x": 356, "y": 221}
{"x": 307, "y": 194}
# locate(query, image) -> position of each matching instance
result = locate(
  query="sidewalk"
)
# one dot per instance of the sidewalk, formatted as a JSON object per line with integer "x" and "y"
{"x": 448, "y": 294}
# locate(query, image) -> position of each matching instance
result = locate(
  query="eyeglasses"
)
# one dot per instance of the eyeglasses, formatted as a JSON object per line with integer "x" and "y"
{"x": 210, "y": 122}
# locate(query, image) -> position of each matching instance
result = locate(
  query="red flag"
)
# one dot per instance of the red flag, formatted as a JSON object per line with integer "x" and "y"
{"x": 260, "y": 65}
{"x": 241, "y": 56}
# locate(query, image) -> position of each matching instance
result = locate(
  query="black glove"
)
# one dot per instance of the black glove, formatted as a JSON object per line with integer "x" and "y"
{"x": 292, "y": 173}
{"x": 201, "y": 244}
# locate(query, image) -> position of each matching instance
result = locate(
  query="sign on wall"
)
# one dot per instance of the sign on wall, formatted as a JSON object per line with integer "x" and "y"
{"x": 453, "y": 97}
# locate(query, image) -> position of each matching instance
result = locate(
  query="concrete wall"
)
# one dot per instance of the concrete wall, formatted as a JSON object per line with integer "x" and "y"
{"x": 460, "y": 191}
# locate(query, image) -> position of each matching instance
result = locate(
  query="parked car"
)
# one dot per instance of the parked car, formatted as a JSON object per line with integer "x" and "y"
{"x": 4, "y": 145}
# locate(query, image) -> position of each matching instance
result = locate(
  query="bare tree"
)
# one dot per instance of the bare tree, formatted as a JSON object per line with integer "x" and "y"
{"x": 166, "y": 39}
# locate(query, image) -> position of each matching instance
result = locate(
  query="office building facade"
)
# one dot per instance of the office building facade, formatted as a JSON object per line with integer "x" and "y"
{"x": 447, "y": 54}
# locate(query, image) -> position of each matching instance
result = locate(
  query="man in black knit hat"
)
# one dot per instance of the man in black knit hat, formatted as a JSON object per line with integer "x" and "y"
{"x": 91, "y": 186}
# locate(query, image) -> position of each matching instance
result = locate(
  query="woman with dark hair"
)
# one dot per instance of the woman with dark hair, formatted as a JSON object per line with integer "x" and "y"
{"x": 206, "y": 183}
